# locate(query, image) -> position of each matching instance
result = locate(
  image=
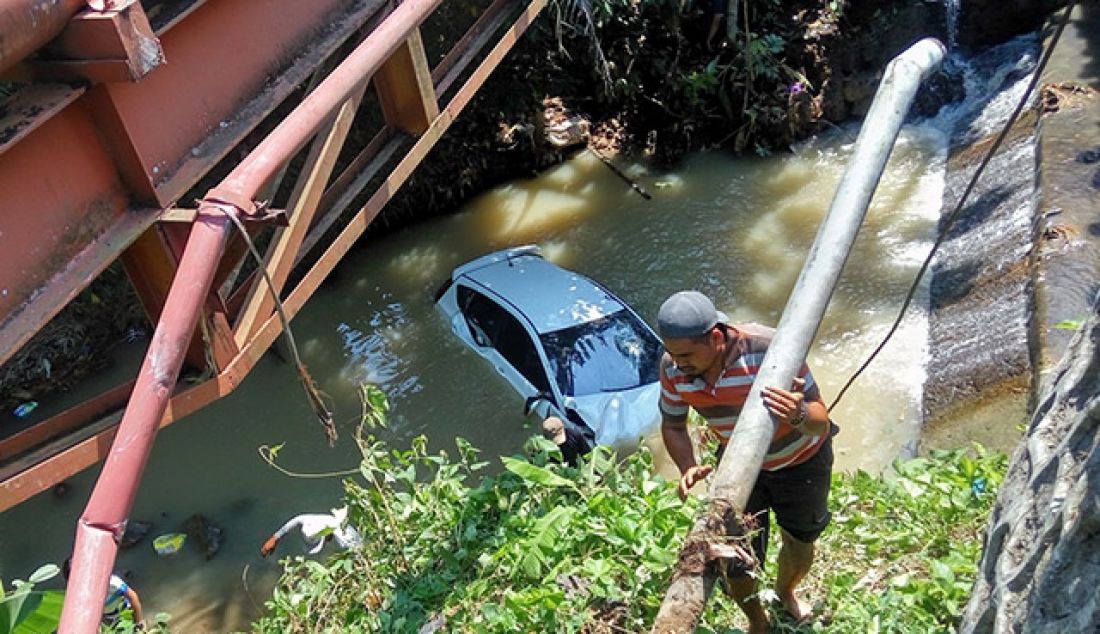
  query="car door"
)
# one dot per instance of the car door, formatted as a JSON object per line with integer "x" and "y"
{"x": 507, "y": 342}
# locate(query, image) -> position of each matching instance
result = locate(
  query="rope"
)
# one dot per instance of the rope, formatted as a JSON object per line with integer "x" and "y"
{"x": 267, "y": 454}
{"x": 313, "y": 394}
{"x": 950, "y": 221}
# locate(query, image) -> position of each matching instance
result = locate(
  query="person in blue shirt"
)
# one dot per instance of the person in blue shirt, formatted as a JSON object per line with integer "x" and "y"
{"x": 120, "y": 597}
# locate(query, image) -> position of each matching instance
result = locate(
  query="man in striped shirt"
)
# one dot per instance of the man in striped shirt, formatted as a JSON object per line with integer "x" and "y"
{"x": 710, "y": 365}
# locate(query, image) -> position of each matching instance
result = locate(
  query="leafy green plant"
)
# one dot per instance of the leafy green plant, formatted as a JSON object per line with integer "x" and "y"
{"x": 902, "y": 551}
{"x": 537, "y": 546}
{"x": 126, "y": 625}
{"x": 25, "y": 610}
{"x": 700, "y": 84}
{"x": 452, "y": 545}
{"x": 762, "y": 55}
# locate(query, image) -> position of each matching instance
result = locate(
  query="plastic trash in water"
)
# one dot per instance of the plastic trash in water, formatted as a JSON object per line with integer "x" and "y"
{"x": 169, "y": 544}
{"x": 25, "y": 409}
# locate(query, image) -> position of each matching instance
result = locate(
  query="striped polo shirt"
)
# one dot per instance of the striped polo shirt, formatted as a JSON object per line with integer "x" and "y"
{"x": 721, "y": 404}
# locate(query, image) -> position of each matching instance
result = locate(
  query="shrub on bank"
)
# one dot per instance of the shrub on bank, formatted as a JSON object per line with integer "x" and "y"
{"x": 545, "y": 547}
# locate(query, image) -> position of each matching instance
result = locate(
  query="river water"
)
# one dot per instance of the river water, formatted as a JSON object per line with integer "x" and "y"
{"x": 735, "y": 228}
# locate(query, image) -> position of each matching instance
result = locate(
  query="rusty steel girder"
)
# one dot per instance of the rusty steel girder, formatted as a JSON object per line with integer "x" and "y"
{"x": 237, "y": 327}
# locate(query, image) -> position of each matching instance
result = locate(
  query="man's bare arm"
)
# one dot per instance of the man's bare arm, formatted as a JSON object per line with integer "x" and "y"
{"x": 678, "y": 443}
{"x": 135, "y": 604}
{"x": 682, "y": 451}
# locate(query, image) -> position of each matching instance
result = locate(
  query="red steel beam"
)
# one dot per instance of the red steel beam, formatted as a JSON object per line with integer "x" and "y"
{"x": 212, "y": 104}
{"x": 60, "y": 225}
{"x": 404, "y": 87}
{"x": 118, "y": 40}
{"x": 355, "y": 228}
{"x": 105, "y": 516}
{"x": 66, "y": 421}
{"x": 70, "y": 456}
{"x": 26, "y": 25}
{"x": 104, "y": 520}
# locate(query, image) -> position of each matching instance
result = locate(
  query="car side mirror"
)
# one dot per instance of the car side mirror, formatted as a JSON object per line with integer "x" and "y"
{"x": 531, "y": 401}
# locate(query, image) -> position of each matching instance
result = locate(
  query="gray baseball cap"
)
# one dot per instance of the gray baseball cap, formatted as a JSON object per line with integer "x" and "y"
{"x": 688, "y": 314}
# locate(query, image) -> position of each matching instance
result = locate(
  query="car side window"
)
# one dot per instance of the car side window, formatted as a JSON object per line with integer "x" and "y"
{"x": 491, "y": 325}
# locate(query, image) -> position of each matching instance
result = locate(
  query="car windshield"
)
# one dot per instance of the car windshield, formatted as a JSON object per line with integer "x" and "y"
{"x": 610, "y": 354}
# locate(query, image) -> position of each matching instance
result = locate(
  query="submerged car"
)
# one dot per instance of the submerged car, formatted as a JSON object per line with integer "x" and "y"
{"x": 568, "y": 346}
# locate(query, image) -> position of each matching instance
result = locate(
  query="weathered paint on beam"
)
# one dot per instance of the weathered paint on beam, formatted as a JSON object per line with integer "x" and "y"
{"x": 120, "y": 35}
{"x": 275, "y": 46}
{"x": 61, "y": 223}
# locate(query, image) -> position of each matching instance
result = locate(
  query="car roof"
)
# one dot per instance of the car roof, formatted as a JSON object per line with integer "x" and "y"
{"x": 551, "y": 297}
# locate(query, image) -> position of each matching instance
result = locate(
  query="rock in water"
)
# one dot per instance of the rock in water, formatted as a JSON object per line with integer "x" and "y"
{"x": 136, "y": 530}
{"x": 207, "y": 535}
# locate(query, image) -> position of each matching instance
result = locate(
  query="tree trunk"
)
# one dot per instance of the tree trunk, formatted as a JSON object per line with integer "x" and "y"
{"x": 1040, "y": 570}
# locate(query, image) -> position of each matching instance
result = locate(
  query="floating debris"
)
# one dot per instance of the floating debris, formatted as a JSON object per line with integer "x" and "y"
{"x": 208, "y": 536}
{"x": 169, "y": 544}
{"x": 136, "y": 531}
{"x": 25, "y": 409}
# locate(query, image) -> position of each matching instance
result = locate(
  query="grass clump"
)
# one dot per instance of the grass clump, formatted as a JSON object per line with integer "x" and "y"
{"x": 542, "y": 547}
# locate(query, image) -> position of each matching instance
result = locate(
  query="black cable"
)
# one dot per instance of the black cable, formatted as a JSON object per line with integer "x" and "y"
{"x": 962, "y": 200}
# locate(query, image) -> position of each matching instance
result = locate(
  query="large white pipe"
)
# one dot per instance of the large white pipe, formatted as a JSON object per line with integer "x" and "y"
{"x": 740, "y": 465}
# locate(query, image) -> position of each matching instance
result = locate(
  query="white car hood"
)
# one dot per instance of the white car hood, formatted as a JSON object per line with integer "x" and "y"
{"x": 621, "y": 419}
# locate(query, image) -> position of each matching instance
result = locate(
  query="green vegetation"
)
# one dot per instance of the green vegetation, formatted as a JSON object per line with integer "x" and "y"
{"x": 24, "y": 610}
{"x": 902, "y": 551}
{"x": 652, "y": 69}
{"x": 543, "y": 547}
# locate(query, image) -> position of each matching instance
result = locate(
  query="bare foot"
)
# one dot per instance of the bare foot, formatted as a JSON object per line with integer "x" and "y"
{"x": 799, "y": 610}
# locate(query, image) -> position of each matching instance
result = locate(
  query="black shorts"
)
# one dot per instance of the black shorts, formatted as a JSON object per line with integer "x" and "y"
{"x": 798, "y": 495}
